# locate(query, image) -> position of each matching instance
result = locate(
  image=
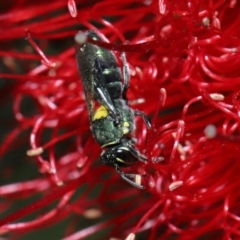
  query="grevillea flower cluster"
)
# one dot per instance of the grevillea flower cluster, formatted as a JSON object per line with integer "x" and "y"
{"x": 184, "y": 59}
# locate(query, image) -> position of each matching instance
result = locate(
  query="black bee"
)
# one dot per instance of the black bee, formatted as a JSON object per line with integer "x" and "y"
{"x": 112, "y": 120}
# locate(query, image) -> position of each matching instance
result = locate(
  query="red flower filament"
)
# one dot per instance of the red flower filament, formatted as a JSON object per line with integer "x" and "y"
{"x": 184, "y": 61}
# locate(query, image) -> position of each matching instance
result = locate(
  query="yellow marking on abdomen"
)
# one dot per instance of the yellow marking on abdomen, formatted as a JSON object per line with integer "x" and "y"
{"x": 100, "y": 113}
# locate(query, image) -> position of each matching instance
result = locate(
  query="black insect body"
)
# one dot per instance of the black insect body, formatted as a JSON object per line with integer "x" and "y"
{"x": 112, "y": 120}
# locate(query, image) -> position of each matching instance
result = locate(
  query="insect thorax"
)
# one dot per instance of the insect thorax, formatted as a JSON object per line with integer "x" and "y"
{"x": 105, "y": 131}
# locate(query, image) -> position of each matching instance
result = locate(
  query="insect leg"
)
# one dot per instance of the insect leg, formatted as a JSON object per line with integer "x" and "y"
{"x": 135, "y": 152}
{"x": 144, "y": 117}
{"x": 126, "y": 177}
{"x": 126, "y": 75}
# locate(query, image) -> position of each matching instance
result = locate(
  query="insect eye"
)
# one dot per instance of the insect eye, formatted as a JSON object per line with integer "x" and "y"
{"x": 125, "y": 156}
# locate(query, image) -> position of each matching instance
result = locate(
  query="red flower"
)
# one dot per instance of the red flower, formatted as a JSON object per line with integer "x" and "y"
{"x": 184, "y": 64}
